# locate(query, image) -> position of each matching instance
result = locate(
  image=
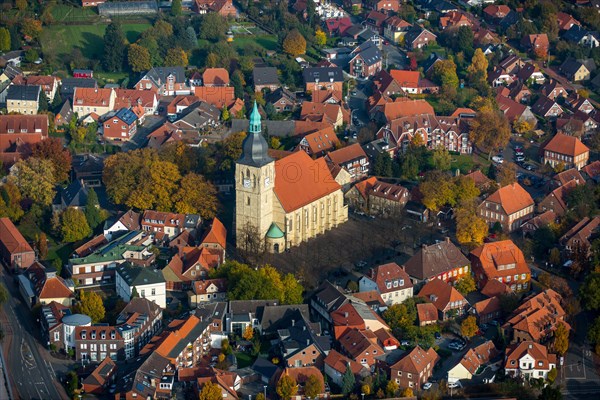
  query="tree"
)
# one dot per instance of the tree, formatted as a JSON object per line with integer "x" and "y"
{"x": 212, "y": 27}
{"x": 441, "y": 158}
{"x": 31, "y": 28}
{"x": 210, "y": 390}
{"x": 248, "y": 333}
{"x": 4, "y": 39}
{"x": 444, "y": 73}
{"x": 3, "y": 294}
{"x": 35, "y": 179}
{"x": 391, "y": 388}
{"x": 134, "y": 293}
{"x": 561, "y": 339}
{"x": 74, "y": 226}
{"x": 93, "y": 214}
{"x": 196, "y": 196}
{"x": 348, "y": 381}
{"x": 176, "y": 8}
{"x": 10, "y": 201}
{"x": 286, "y": 387}
{"x": 114, "y": 47}
{"x": 366, "y": 389}
{"x": 437, "y": 190}
{"x": 552, "y": 374}
{"x": 593, "y": 334}
{"x": 189, "y": 38}
{"x": 466, "y": 285}
{"x": 176, "y": 57}
{"x": 589, "y": 292}
{"x": 408, "y": 392}
{"x": 489, "y": 130}
{"x": 21, "y": 4}
{"x": 469, "y": 328}
{"x": 550, "y": 393}
{"x": 52, "y": 149}
{"x": 292, "y": 290}
{"x": 400, "y": 316}
{"x": 465, "y": 189}
{"x": 225, "y": 114}
{"x": 521, "y": 126}
{"x": 507, "y": 174}
{"x": 90, "y": 304}
{"x": 320, "y": 38}
{"x": 42, "y": 245}
{"x": 31, "y": 55}
{"x": 260, "y": 396}
{"x": 72, "y": 383}
{"x": 383, "y": 164}
{"x": 312, "y": 387}
{"x": 477, "y": 71}
{"x": 470, "y": 228}
{"x": 294, "y": 43}
{"x": 139, "y": 58}
{"x": 150, "y": 44}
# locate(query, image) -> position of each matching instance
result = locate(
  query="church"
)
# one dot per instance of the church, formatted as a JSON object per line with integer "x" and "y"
{"x": 286, "y": 201}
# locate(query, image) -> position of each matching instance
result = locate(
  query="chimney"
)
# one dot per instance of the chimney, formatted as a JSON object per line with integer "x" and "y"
{"x": 447, "y": 239}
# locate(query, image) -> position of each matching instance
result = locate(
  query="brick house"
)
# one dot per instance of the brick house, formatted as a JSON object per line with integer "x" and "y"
{"x": 353, "y": 159}
{"x": 556, "y": 201}
{"x": 51, "y": 316}
{"x": 415, "y": 368}
{"x": 366, "y": 60}
{"x": 566, "y": 150}
{"x": 427, "y": 314}
{"x": 138, "y": 322}
{"x": 215, "y": 77}
{"x": 356, "y": 315}
{"x": 95, "y": 343}
{"x": 529, "y": 360}
{"x": 442, "y": 260}
{"x": 377, "y": 197}
{"x": 16, "y": 253}
{"x": 390, "y": 281}
{"x": 418, "y": 37}
{"x": 448, "y": 301}
{"x": 510, "y": 206}
{"x": 18, "y": 133}
{"x": 335, "y": 365}
{"x": 361, "y": 346}
{"x": 580, "y": 234}
{"x": 502, "y": 261}
{"x": 165, "y": 81}
{"x": 319, "y": 78}
{"x": 166, "y": 225}
{"x": 122, "y": 126}
{"x": 101, "y": 377}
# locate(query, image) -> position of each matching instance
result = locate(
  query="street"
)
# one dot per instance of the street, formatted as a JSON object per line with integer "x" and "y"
{"x": 31, "y": 373}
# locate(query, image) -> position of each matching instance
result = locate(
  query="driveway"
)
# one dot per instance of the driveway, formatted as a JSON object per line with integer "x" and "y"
{"x": 393, "y": 56}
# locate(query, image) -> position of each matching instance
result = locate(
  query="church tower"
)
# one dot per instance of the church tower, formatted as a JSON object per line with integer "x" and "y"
{"x": 254, "y": 182}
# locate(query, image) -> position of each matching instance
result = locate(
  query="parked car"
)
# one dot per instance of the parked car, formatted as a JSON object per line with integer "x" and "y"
{"x": 426, "y": 386}
{"x": 437, "y": 335}
{"x": 519, "y": 152}
{"x": 519, "y": 158}
{"x": 497, "y": 159}
{"x": 405, "y": 343}
{"x": 529, "y": 167}
{"x": 452, "y": 385}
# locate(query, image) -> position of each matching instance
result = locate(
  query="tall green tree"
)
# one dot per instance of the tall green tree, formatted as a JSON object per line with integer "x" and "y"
{"x": 114, "y": 47}
{"x": 74, "y": 226}
{"x": 589, "y": 292}
{"x": 139, "y": 58}
{"x": 4, "y": 39}
{"x": 35, "y": 179}
{"x": 348, "y": 381}
{"x": 176, "y": 8}
{"x": 93, "y": 214}
{"x": 441, "y": 158}
{"x": 313, "y": 387}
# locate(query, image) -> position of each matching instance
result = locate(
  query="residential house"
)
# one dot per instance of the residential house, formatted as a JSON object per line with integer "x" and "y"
{"x": 224, "y": 8}
{"x": 454, "y": 20}
{"x": 375, "y": 20}
{"x": 418, "y": 37}
{"x": 143, "y": 102}
{"x": 63, "y": 116}
{"x": 51, "y": 316}
{"x": 489, "y": 309}
{"x": 101, "y": 377}
{"x": 427, "y": 314}
{"x": 180, "y": 103}
{"x": 537, "y": 44}
{"x": 509, "y": 206}
{"x": 49, "y": 287}
{"x": 282, "y": 99}
{"x": 580, "y": 234}
{"x": 530, "y": 72}
{"x": 366, "y": 60}
{"x": 386, "y": 85}
{"x": 210, "y": 290}
{"x": 48, "y": 84}
{"x": 575, "y": 70}
{"x": 200, "y": 116}
{"x": 92, "y": 100}
{"x": 536, "y": 318}
{"x": 319, "y": 143}
{"x": 356, "y": 315}
{"x": 68, "y": 85}
{"x": 336, "y": 364}
{"x": 99, "y": 267}
{"x": 218, "y": 96}
{"x": 377, "y": 197}
{"x": 353, "y": 159}
{"x": 166, "y": 225}
{"x": 553, "y": 89}
{"x": 327, "y": 78}
{"x": 265, "y": 78}
{"x": 18, "y": 133}
{"x": 215, "y": 77}
{"x": 334, "y": 114}
{"x": 164, "y": 81}
{"x": 301, "y": 345}
{"x": 147, "y": 282}
{"x": 502, "y": 261}
{"x": 539, "y": 221}
{"x": 22, "y": 99}
{"x": 394, "y": 29}
{"x": 190, "y": 265}
{"x": 126, "y": 222}
{"x": 495, "y": 13}
{"x": 95, "y": 343}
{"x": 567, "y": 151}
{"x": 473, "y": 359}
{"x": 301, "y": 376}
{"x": 482, "y": 182}
{"x": 529, "y": 360}
{"x": 442, "y": 260}
{"x": 83, "y": 73}
{"x": 446, "y": 299}
{"x": 15, "y": 252}
{"x": 122, "y": 126}
{"x": 592, "y": 171}
{"x": 325, "y": 299}
{"x": 408, "y": 80}
{"x": 547, "y": 108}
{"x": 515, "y": 111}
{"x": 566, "y": 21}
{"x": 556, "y": 201}
{"x": 415, "y": 368}
{"x": 338, "y": 26}
{"x": 390, "y": 281}
{"x": 227, "y": 382}
{"x": 244, "y": 313}
{"x": 137, "y": 323}
{"x": 581, "y": 104}
{"x": 581, "y": 36}
{"x": 361, "y": 346}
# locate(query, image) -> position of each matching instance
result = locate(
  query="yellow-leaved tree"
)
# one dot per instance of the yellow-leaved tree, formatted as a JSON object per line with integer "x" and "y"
{"x": 294, "y": 43}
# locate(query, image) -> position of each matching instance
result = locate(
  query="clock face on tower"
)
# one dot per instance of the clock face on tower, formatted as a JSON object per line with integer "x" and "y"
{"x": 267, "y": 181}
{"x": 246, "y": 183}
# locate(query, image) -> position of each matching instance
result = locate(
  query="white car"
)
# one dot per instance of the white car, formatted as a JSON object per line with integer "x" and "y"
{"x": 453, "y": 385}
{"x": 497, "y": 159}
{"x": 519, "y": 158}
{"x": 426, "y": 386}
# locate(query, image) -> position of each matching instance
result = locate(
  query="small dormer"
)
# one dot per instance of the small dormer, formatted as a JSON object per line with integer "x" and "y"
{"x": 433, "y": 298}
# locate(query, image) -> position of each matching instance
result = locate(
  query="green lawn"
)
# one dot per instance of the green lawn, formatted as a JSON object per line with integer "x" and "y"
{"x": 244, "y": 359}
{"x": 464, "y": 162}
{"x": 269, "y": 42}
{"x": 67, "y": 13}
{"x": 62, "y": 39}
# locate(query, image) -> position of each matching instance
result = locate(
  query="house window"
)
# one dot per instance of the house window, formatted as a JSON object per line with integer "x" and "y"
{"x": 143, "y": 293}
{"x": 153, "y": 292}
{"x": 56, "y": 336}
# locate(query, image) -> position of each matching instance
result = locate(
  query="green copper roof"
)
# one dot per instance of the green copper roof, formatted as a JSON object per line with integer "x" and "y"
{"x": 274, "y": 232}
{"x": 255, "y": 120}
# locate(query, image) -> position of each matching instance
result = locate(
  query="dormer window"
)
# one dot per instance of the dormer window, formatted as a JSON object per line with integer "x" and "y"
{"x": 83, "y": 335}
{"x": 103, "y": 335}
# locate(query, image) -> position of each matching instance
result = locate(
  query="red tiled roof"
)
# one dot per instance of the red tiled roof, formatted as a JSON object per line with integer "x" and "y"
{"x": 416, "y": 361}
{"x": 11, "y": 238}
{"x": 388, "y": 274}
{"x": 127, "y": 98}
{"x": 443, "y": 294}
{"x": 405, "y": 107}
{"x": 538, "y": 352}
{"x": 18, "y": 123}
{"x": 215, "y": 76}
{"x": 321, "y": 140}
{"x": 512, "y": 198}
{"x": 217, "y": 96}
{"x": 165, "y": 348}
{"x": 295, "y": 183}
{"x": 592, "y": 169}
{"x": 494, "y": 288}
{"x": 55, "y": 288}
{"x": 496, "y": 255}
{"x": 427, "y": 312}
{"x": 217, "y": 233}
{"x": 340, "y": 363}
{"x": 92, "y": 97}
{"x": 568, "y": 145}
{"x": 200, "y": 287}
{"x": 347, "y": 154}
{"x": 406, "y": 78}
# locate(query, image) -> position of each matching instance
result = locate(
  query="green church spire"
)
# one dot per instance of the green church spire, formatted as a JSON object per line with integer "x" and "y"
{"x": 255, "y": 124}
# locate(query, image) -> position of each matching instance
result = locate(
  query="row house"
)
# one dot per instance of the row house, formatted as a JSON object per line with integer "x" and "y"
{"x": 15, "y": 251}
{"x": 166, "y": 225}
{"x": 536, "y": 318}
{"x": 191, "y": 264}
{"x": 580, "y": 234}
{"x": 376, "y": 197}
{"x": 529, "y": 360}
{"x": 502, "y": 261}
{"x": 98, "y": 268}
{"x": 300, "y": 344}
{"x": 93, "y": 100}
{"x": 446, "y": 299}
{"x": 95, "y": 343}
{"x": 452, "y": 133}
{"x": 567, "y": 151}
{"x": 318, "y": 78}
{"x": 187, "y": 343}
{"x": 441, "y": 261}
{"x": 137, "y": 323}
{"x": 390, "y": 281}
{"x": 510, "y": 206}
{"x": 353, "y": 159}
{"x": 49, "y": 84}
{"x": 415, "y": 368}
{"x": 164, "y": 81}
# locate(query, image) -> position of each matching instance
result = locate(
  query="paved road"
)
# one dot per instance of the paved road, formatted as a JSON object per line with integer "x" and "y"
{"x": 32, "y": 375}
{"x": 394, "y": 57}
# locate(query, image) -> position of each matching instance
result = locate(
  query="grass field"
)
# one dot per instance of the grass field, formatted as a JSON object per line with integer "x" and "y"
{"x": 63, "y": 12}
{"x": 62, "y": 39}
{"x": 269, "y": 42}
